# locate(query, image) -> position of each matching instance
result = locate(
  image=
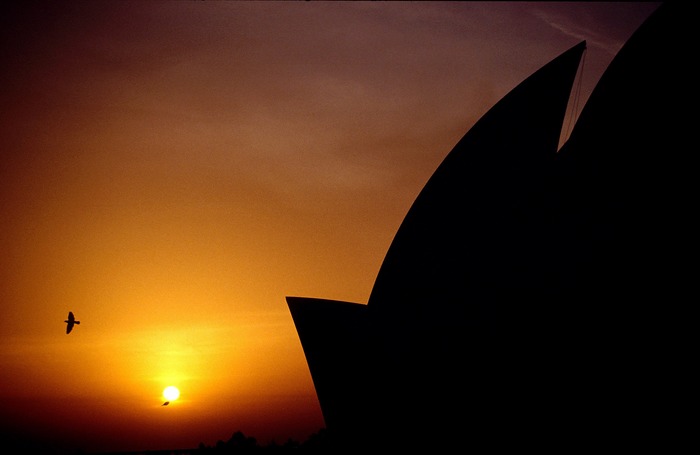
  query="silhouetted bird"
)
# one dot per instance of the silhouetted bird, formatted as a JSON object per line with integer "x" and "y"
{"x": 166, "y": 403}
{"x": 71, "y": 322}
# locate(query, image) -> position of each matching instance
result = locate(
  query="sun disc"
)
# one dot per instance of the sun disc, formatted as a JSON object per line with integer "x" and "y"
{"x": 171, "y": 393}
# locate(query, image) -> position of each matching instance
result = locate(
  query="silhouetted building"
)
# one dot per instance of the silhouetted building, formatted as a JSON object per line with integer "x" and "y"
{"x": 530, "y": 298}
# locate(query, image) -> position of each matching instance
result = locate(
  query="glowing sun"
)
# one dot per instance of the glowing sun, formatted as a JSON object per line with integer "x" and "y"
{"x": 171, "y": 393}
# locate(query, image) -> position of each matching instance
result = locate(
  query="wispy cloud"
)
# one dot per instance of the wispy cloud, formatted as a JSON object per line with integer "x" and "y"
{"x": 565, "y": 25}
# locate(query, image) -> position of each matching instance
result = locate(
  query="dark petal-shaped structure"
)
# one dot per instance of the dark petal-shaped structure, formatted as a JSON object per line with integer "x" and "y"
{"x": 333, "y": 335}
{"x": 534, "y": 299}
{"x": 627, "y": 197}
{"x": 463, "y": 226}
{"x": 464, "y": 296}
{"x": 626, "y": 174}
{"x": 434, "y": 351}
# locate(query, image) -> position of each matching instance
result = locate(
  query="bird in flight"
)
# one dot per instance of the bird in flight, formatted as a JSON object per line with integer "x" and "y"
{"x": 166, "y": 403}
{"x": 71, "y": 322}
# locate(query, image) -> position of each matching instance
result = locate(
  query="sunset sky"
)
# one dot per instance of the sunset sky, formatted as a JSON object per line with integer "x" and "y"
{"x": 170, "y": 171}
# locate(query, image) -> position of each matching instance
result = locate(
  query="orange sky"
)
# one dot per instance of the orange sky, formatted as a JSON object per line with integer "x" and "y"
{"x": 170, "y": 171}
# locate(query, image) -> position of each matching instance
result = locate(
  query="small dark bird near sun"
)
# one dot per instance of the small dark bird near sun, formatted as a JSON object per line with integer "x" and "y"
{"x": 166, "y": 403}
{"x": 71, "y": 322}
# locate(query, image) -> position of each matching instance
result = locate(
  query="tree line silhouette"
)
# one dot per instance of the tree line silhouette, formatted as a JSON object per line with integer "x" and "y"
{"x": 240, "y": 443}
